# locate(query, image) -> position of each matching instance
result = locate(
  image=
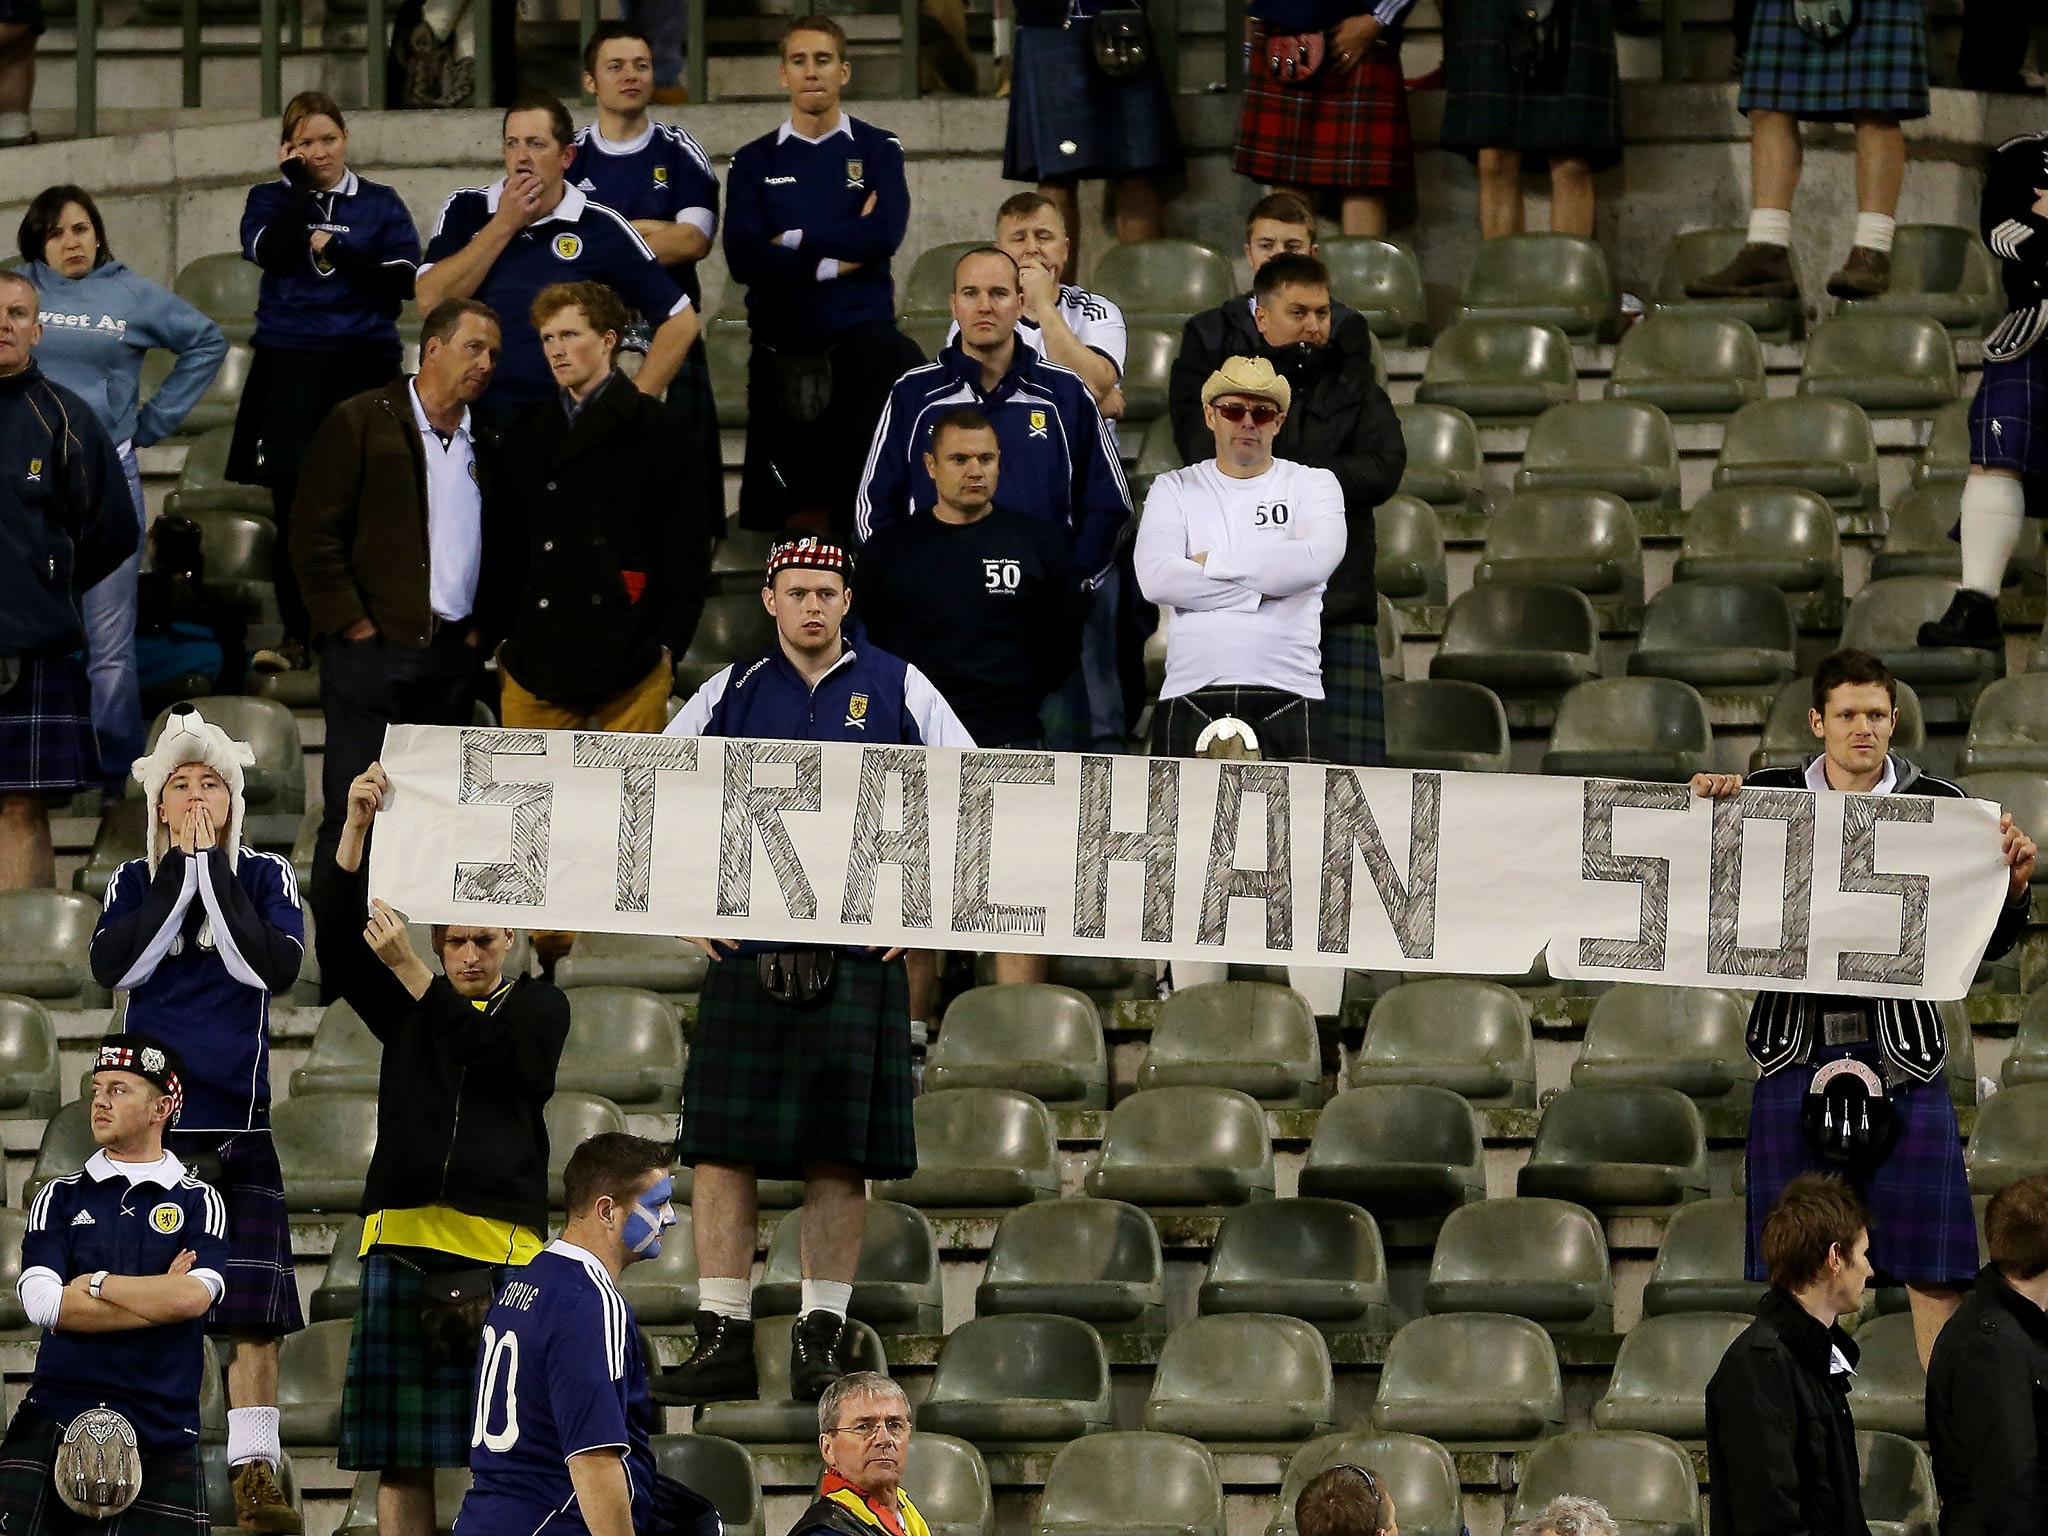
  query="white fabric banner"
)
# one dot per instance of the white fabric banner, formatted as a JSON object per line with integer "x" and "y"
{"x": 1275, "y": 863}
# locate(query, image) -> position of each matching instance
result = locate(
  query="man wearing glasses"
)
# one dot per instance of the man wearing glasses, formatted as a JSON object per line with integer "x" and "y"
{"x": 864, "y": 1436}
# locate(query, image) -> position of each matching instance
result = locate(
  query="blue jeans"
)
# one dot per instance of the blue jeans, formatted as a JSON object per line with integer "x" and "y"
{"x": 109, "y": 611}
{"x": 666, "y": 23}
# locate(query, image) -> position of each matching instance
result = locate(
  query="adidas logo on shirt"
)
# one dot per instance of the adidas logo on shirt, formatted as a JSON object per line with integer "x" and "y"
{"x": 586, "y": 185}
{"x": 83, "y": 1219}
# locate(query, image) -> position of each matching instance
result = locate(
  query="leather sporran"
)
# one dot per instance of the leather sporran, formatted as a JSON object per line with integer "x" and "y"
{"x": 1122, "y": 43}
{"x": 1849, "y": 1119}
{"x": 1536, "y": 37}
{"x": 97, "y": 1469}
{"x": 1825, "y": 21}
{"x": 453, "y": 1306}
{"x": 800, "y": 978}
{"x": 1295, "y": 58}
{"x": 803, "y": 384}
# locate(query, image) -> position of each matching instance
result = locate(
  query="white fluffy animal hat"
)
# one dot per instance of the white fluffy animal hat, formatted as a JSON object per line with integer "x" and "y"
{"x": 187, "y": 738}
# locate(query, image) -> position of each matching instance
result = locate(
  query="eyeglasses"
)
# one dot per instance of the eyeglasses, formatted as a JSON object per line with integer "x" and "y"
{"x": 1262, "y": 414}
{"x": 868, "y": 1429}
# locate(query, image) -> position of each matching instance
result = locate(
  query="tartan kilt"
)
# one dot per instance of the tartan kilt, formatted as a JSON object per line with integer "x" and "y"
{"x": 1068, "y": 119}
{"x": 1922, "y": 1229}
{"x": 774, "y": 1086}
{"x": 1347, "y": 131}
{"x": 399, "y": 1409}
{"x": 47, "y": 744}
{"x": 1879, "y": 65}
{"x": 172, "y": 1501}
{"x": 2009, "y": 419}
{"x": 262, "y": 1297}
{"x": 1354, "y": 718}
{"x": 1488, "y": 106}
{"x": 1290, "y": 728}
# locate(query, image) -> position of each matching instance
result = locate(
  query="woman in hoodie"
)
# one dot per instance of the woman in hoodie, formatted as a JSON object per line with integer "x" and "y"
{"x": 99, "y": 318}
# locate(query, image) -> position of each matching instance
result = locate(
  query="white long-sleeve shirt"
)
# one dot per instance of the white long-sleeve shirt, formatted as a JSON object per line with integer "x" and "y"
{"x": 1252, "y": 613}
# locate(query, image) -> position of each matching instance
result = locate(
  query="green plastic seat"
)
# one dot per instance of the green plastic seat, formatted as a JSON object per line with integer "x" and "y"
{"x": 1724, "y": 634}
{"x": 275, "y": 785}
{"x": 1545, "y": 1260}
{"x": 1519, "y": 637}
{"x": 895, "y": 1286}
{"x": 775, "y": 1417}
{"x": 1814, "y": 442}
{"x": 738, "y": 558}
{"x": 345, "y": 1057}
{"x": 30, "y": 1084}
{"x": 1418, "y": 1473}
{"x": 1471, "y": 1380}
{"x": 1699, "y": 1266}
{"x": 239, "y": 551}
{"x": 1149, "y": 351}
{"x": 213, "y": 1396}
{"x": 1889, "y": 1390}
{"x": 625, "y": 1045}
{"x": 13, "y": 1228}
{"x": 1885, "y": 618}
{"x": 2024, "y": 794}
{"x": 66, "y": 1144}
{"x": 1651, "y": 728}
{"x": 224, "y": 287}
{"x": 572, "y": 1118}
{"x": 728, "y": 346}
{"x": 1164, "y": 279}
{"x": 1610, "y": 1148}
{"x": 948, "y": 1481}
{"x": 217, "y": 406}
{"x": 1784, "y": 536}
{"x": 734, "y": 627}
{"x": 1317, "y": 1260}
{"x": 928, "y": 290}
{"x": 1397, "y": 1150}
{"x": 1645, "y": 1481}
{"x": 1890, "y": 364}
{"x": 1184, "y": 1146}
{"x": 979, "y": 1147}
{"x": 298, "y": 689}
{"x": 44, "y": 936}
{"x": 1387, "y": 635}
{"x": 1898, "y": 1485}
{"x": 1453, "y": 1032}
{"x": 1035, "y": 1038}
{"x": 121, "y": 836}
{"x": 2010, "y": 1141}
{"x": 1408, "y": 549}
{"x": 1383, "y": 282}
{"x": 721, "y": 1470}
{"x": 342, "y": 1281}
{"x": 1624, "y": 447}
{"x": 1499, "y": 370}
{"x": 1158, "y": 454}
{"x": 204, "y": 486}
{"x": 1947, "y": 454}
{"x": 1444, "y": 465}
{"x": 1696, "y": 252}
{"x": 1546, "y": 279}
{"x": 1788, "y": 740}
{"x": 1253, "y": 1036}
{"x": 324, "y": 1142}
{"x": 662, "y": 1291}
{"x": 1243, "y": 1377}
{"x": 927, "y": 333}
{"x": 1942, "y": 271}
{"x": 1583, "y": 539}
{"x": 220, "y": 1485}
{"x": 2027, "y": 1062}
{"x": 1918, "y": 543}
{"x": 1097, "y": 1260}
{"x": 1027, "y": 1376}
{"x": 1439, "y": 723}
{"x": 1691, "y": 365}
{"x": 1131, "y": 1483}
{"x": 647, "y": 961}
{"x": 2008, "y": 728}
{"x": 311, "y": 1365}
{"x": 1661, "y": 1375}
{"x": 1688, "y": 1038}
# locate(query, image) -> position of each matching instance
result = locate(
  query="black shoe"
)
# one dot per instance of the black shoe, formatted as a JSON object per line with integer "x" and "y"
{"x": 1971, "y": 620}
{"x": 721, "y": 1367}
{"x": 814, "y": 1359}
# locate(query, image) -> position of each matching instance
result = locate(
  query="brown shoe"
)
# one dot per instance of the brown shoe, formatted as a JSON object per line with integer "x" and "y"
{"x": 1865, "y": 275}
{"x": 260, "y": 1505}
{"x": 1758, "y": 271}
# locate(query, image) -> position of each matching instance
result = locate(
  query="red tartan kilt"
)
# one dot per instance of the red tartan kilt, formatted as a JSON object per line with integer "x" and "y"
{"x": 1346, "y": 132}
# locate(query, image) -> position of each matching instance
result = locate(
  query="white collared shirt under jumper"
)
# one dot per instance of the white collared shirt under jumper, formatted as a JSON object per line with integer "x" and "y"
{"x": 455, "y": 514}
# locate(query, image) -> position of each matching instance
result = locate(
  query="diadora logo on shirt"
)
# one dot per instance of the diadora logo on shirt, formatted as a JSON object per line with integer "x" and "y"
{"x": 780, "y": 181}
{"x": 111, "y": 323}
{"x": 568, "y": 246}
{"x": 83, "y": 1219}
{"x": 857, "y": 711}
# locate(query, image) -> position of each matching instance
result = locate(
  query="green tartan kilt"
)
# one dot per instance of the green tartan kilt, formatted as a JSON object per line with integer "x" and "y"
{"x": 773, "y": 1086}
{"x": 172, "y": 1501}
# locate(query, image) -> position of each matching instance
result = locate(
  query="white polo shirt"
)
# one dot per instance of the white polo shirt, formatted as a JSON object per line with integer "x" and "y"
{"x": 455, "y": 515}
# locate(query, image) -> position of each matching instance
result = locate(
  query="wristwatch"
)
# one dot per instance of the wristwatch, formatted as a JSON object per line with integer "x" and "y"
{"x": 92, "y": 1286}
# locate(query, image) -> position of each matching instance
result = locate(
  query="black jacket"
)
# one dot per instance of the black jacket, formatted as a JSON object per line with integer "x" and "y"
{"x": 2018, "y": 237}
{"x": 1340, "y": 420}
{"x": 66, "y": 518}
{"x": 1987, "y": 1414}
{"x": 1781, "y": 1446}
{"x": 601, "y": 509}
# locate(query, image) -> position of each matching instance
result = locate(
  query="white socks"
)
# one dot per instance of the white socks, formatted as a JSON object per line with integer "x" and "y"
{"x": 1770, "y": 226}
{"x": 252, "y": 1436}
{"x": 1994, "y": 507}
{"x": 1874, "y": 231}
{"x": 832, "y": 1296}
{"x": 727, "y": 1297}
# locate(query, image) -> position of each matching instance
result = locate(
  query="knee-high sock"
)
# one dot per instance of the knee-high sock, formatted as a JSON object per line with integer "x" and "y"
{"x": 1993, "y": 509}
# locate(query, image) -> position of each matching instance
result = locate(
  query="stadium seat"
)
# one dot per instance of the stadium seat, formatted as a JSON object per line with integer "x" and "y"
{"x": 721, "y": 1470}
{"x": 1623, "y": 447}
{"x": 1546, "y": 279}
{"x": 624, "y": 1045}
{"x": 895, "y": 1287}
{"x": 1650, "y": 728}
{"x": 120, "y": 836}
{"x": 451, "y": 1486}
{"x": 342, "y": 1279}
{"x": 324, "y": 1142}
{"x": 573, "y": 1118}
{"x": 1158, "y": 455}
{"x": 1610, "y": 1148}
{"x": 979, "y": 1147}
{"x": 219, "y": 1479}
{"x": 737, "y": 560}
{"x": 1249, "y": 1035}
{"x": 1699, "y": 1266}
{"x": 927, "y": 332}
{"x": 1383, "y": 282}
{"x": 1439, "y": 723}
{"x": 30, "y": 1085}
{"x": 948, "y": 1481}
{"x": 1889, "y": 1390}
{"x": 1885, "y": 618}
{"x": 224, "y": 287}
{"x": 1661, "y": 1375}
{"x": 239, "y": 551}
{"x": 1318, "y": 1260}
{"x": 1408, "y": 549}
{"x": 1898, "y": 1485}
{"x": 65, "y": 1145}
{"x": 345, "y": 1056}
{"x": 310, "y": 1366}
{"x": 1890, "y": 364}
{"x": 1692, "y": 366}
{"x": 1444, "y": 466}
{"x": 1184, "y": 1146}
{"x": 1814, "y": 442}
{"x": 2027, "y": 1062}
{"x": 1388, "y": 632}
{"x": 1454, "y": 1032}
{"x": 1131, "y": 1483}
{"x": 1097, "y": 1260}
{"x": 733, "y": 628}
{"x": 44, "y": 936}
{"x": 217, "y": 406}
{"x": 1163, "y": 279}
{"x": 1034, "y": 1038}
{"x": 1688, "y": 1038}
{"x": 1644, "y": 1481}
{"x": 1149, "y": 351}
{"x": 1944, "y": 272}
{"x": 1471, "y": 1379}
{"x": 2024, "y": 794}
{"x": 213, "y": 1396}
{"x": 2010, "y": 1141}
{"x": 1418, "y": 1473}
{"x": 1545, "y": 1260}
{"x": 1243, "y": 1377}
{"x": 663, "y": 1290}
{"x": 13, "y": 1227}
{"x": 2008, "y": 728}
{"x": 1718, "y": 634}
{"x": 1397, "y": 1150}
{"x": 204, "y": 486}
{"x": 1696, "y": 252}
{"x": 1946, "y": 457}
{"x": 1499, "y": 370}
{"x": 669, "y": 967}
{"x": 728, "y": 348}
{"x": 1781, "y": 535}
{"x": 276, "y": 784}
{"x": 1032, "y": 1376}
{"x": 1519, "y": 637}
{"x": 1918, "y": 542}
{"x": 775, "y": 1417}
{"x": 928, "y": 290}
{"x": 1788, "y": 739}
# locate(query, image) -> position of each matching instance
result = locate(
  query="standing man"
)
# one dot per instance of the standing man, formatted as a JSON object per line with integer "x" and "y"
{"x": 800, "y": 1061}
{"x": 864, "y": 1440}
{"x": 119, "y": 1265}
{"x": 503, "y": 243}
{"x": 814, "y": 212}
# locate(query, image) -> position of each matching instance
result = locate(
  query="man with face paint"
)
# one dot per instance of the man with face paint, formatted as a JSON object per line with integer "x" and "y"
{"x": 563, "y": 1420}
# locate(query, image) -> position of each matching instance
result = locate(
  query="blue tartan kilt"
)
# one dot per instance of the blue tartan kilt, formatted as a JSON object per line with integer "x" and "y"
{"x": 2009, "y": 419}
{"x": 1879, "y": 65}
{"x": 1068, "y": 119}
{"x": 262, "y": 1297}
{"x": 47, "y": 744}
{"x": 400, "y": 1408}
{"x": 1354, "y": 717}
{"x": 172, "y": 1501}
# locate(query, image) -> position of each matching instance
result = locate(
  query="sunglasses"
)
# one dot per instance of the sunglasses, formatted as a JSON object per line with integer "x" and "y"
{"x": 1262, "y": 414}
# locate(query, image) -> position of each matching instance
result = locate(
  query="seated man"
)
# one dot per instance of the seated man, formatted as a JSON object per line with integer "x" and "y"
{"x": 120, "y": 1265}
{"x": 864, "y": 1438}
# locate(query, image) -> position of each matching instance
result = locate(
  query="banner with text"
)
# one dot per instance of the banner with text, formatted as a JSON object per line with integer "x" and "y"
{"x": 1275, "y": 863}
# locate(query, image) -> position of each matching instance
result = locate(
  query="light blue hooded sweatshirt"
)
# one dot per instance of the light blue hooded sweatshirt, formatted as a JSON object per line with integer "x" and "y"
{"x": 96, "y": 329}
